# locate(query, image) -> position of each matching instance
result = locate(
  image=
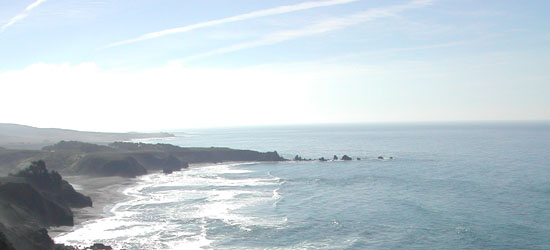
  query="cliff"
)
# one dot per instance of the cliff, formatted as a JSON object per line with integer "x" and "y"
{"x": 199, "y": 155}
{"x": 5, "y": 243}
{"x": 109, "y": 164}
{"x": 36, "y": 204}
{"x": 123, "y": 158}
{"x": 52, "y": 185}
{"x": 32, "y": 200}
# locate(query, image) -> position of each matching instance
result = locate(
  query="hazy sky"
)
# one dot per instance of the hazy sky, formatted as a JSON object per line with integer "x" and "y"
{"x": 119, "y": 65}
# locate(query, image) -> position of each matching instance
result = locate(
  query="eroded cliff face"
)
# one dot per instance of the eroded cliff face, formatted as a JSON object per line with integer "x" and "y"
{"x": 109, "y": 164}
{"x": 5, "y": 243}
{"x": 39, "y": 206}
{"x": 52, "y": 185}
{"x": 26, "y": 236}
{"x": 32, "y": 200}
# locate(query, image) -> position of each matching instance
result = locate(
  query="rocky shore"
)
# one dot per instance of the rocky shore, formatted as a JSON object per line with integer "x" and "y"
{"x": 123, "y": 159}
{"x": 34, "y": 198}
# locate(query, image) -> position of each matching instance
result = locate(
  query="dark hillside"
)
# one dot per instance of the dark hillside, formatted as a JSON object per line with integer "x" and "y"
{"x": 123, "y": 158}
{"x": 32, "y": 200}
{"x": 52, "y": 185}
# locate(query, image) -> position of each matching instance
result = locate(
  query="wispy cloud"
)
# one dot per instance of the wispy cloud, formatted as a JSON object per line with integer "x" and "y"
{"x": 21, "y": 15}
{"x": 34, "y": 5}
{"x": 324, "y": 26}
{"x": 13, "y": 20}
{"x": 251, "y": 15}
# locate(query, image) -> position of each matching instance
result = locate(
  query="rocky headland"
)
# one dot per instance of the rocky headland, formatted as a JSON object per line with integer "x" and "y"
{"x": 34, "y": 198}
{"x": 124, "y": 159}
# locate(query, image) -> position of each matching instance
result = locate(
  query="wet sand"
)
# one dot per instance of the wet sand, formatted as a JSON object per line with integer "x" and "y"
{"x": 104, "y": 191}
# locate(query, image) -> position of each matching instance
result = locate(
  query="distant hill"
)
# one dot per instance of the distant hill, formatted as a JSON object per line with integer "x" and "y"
{"x": 17, "y": 136}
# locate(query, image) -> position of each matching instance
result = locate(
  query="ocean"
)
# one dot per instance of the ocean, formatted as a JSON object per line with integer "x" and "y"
{"x": 447, "y": 186}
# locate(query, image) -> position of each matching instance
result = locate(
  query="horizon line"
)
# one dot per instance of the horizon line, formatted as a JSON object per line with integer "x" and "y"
{"x": 170, "y": 130}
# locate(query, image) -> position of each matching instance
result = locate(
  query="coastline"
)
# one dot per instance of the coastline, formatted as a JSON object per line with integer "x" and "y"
{"x": 105, "y": 193}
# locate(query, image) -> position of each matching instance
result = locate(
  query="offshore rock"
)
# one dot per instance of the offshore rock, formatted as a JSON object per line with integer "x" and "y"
{"x": 346, "y": 158}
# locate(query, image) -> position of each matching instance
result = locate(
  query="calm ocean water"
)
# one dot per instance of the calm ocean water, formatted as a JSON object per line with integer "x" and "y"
{"x": 448, "y": 186}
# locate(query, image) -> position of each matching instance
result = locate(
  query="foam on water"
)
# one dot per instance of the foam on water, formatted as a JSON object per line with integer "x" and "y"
{"x": 174, "y": 211}
{"x": 447, "y": 187}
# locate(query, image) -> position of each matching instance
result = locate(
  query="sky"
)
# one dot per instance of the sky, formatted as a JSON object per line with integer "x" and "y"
{"x": 121, "y": 65}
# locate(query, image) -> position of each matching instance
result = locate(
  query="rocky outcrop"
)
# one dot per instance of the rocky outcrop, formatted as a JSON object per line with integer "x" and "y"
{"x": 42, "y": 194}
{"x": 32, "y": 200}
{"x": 26, "y": 236}
{"x": 20, "y": 231}
{"x": 47, "y": 212}
{"x": 335, "y": 158}
{"x": 52, "y": 185}
{"x": 4, "y": 243}
{"x": 346, "y": 158}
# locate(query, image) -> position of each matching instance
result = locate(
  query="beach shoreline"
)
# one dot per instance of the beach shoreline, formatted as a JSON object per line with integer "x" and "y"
{"x": 105, "y": 193}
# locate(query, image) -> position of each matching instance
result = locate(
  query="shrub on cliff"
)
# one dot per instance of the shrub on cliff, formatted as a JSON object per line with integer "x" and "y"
{"x": 39, "y": 175}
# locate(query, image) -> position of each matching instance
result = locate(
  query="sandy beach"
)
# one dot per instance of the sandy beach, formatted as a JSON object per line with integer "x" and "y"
{"x": 104, "y": 191}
